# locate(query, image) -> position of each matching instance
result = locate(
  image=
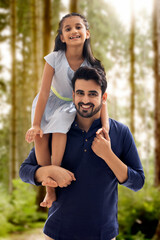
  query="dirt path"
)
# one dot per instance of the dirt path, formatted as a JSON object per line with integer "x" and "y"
{"x": 35, "y": 234}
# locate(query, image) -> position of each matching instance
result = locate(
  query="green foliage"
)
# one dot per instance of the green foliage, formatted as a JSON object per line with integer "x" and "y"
{"x": 108, "y": 45}
{"x": 18, "y": 211}
{"x": 4, "y": 151}
{"x": 5, "y": 208}
{"x": 138, "y": 213}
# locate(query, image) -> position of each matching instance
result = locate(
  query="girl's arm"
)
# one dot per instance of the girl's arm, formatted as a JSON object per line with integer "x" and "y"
{"x": 48, "y": 73}
{"x": 44, "y": 93}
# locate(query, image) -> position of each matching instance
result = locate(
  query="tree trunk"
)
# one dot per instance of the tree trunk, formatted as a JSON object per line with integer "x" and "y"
{"x": 56, "y": 16}
{"x": 34, "y": 45}
{"x": 132, "y": 70}
{"x": 73, "y": 6}
{"x": 47, "y": 27}
{"x": 156, "y": 46}
{"x": 46, "y": 50}
{"x": 13, "y": 91}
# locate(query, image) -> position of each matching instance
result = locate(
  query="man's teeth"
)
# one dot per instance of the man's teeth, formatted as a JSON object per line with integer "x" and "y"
{"x": 86, "y": 106}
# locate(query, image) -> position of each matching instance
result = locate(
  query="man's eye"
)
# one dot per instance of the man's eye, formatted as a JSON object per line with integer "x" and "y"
{"x": 80, "y": 93}
{"x": 92, "y": 94}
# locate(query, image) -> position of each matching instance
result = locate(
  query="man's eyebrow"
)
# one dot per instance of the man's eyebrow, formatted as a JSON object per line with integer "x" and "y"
{"x": 93, "y": 91}
{"x": 79, "y": 91}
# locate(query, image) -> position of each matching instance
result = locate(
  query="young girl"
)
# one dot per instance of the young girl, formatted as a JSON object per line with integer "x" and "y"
{"x": 53, "y": 110}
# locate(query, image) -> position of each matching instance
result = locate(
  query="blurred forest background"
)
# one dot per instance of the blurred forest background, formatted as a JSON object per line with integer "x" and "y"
{"x": 130, "y": 53}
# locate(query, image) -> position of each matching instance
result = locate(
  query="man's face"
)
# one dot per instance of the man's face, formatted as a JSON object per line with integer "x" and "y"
{"x": 87, "y": 98}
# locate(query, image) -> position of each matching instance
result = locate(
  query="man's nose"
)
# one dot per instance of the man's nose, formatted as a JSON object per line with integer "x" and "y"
{"x": 85, "y": 99}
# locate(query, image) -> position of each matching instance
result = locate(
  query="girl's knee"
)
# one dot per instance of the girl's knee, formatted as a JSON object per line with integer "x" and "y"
{"x": 42, "y": 140}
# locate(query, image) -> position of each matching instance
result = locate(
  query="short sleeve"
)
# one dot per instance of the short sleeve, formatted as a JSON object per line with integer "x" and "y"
{"x": 50, "y": 58}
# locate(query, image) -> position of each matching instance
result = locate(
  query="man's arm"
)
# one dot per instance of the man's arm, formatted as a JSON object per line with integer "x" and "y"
{"x": 129, "y": 172}
{"x": 28, "y": 169}
{"x": 31, "y": 172}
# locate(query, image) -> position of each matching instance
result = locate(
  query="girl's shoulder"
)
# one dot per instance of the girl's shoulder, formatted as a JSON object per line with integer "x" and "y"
{"x": 55, "y": 54}
{"x": 54, "y": 58}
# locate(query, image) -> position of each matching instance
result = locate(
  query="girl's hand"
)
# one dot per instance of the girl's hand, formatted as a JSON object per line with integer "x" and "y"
{"x": 32, "y": 132}
{"x": 101, "y": 144}
{"x": 103, "y": 132}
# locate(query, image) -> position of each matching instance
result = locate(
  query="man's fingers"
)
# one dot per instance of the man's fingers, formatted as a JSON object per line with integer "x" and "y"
{"x": 65, "y": 184}
{"x": 72, "y": 175}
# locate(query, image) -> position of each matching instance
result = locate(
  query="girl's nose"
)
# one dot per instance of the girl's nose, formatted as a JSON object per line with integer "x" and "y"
{"x": 74, "y": 30}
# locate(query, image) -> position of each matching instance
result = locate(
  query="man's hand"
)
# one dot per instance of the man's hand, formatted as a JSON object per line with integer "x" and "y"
{"x": 101, "y": 143}
{"x": 48, "y": 175}
{"x": 32, "y": 132}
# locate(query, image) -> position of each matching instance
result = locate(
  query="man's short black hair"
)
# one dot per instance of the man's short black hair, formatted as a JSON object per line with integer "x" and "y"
{"x": 90, "y": 73}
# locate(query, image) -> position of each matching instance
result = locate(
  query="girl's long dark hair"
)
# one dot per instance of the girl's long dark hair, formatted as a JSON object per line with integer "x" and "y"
{"x": 87, "y": 52}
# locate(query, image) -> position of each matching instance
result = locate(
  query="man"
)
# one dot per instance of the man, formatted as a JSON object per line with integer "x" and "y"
{"x": 87, "y": 209}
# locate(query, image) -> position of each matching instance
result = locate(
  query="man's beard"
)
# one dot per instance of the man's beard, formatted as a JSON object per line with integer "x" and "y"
{"x": 84, "y": 113}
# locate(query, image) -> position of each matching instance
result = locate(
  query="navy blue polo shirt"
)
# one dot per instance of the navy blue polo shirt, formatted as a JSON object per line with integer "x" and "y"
{"x": 87, "y": 209}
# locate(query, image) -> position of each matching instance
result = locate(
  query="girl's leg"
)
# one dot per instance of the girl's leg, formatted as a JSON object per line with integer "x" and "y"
{"x": 58, "y": 148}
{"x": 42, "y": 150}
{"x": 44, "y": 158}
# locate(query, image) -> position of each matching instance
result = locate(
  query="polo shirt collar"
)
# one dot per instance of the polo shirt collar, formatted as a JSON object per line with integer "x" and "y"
{"x": 96, "y": 124}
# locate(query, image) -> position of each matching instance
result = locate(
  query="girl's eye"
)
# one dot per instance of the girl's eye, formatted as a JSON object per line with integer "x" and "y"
{"x": 78, "y": 27}
{"x": 68, "y": 29}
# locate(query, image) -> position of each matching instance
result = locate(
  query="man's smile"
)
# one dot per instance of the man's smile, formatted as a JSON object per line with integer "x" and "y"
{"x": 86, "y": 106}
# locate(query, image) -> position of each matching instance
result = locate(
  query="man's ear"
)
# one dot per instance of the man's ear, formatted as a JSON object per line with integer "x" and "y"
{"x": 73, "y": 95}
{"x": 104, "y": 97}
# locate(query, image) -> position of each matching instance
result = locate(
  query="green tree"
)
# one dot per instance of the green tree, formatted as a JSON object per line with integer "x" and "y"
{"x": 73, "y": 6}
{"x": 46, "y": 27}
{"x": 13, "y": 89}
{"x": 110, "y": 44}
{"x": 25, "y": 77}
{"x": 4, "y": 97}
{"x": 156, "y": 47}
{"x": 132, "y": 69}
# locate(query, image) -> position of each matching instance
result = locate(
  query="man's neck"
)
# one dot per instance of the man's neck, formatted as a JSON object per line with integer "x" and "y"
{"x": 85, "y": 123}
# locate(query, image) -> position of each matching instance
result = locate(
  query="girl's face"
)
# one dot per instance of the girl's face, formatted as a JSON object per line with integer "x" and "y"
{"x": 74, "y": 31}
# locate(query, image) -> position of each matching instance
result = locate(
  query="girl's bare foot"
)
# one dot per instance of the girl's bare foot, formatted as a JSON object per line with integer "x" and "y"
{"x": 49, "y": 198}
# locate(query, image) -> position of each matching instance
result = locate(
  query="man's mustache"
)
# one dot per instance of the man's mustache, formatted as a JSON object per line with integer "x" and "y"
{"x": 89, "y": 104}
